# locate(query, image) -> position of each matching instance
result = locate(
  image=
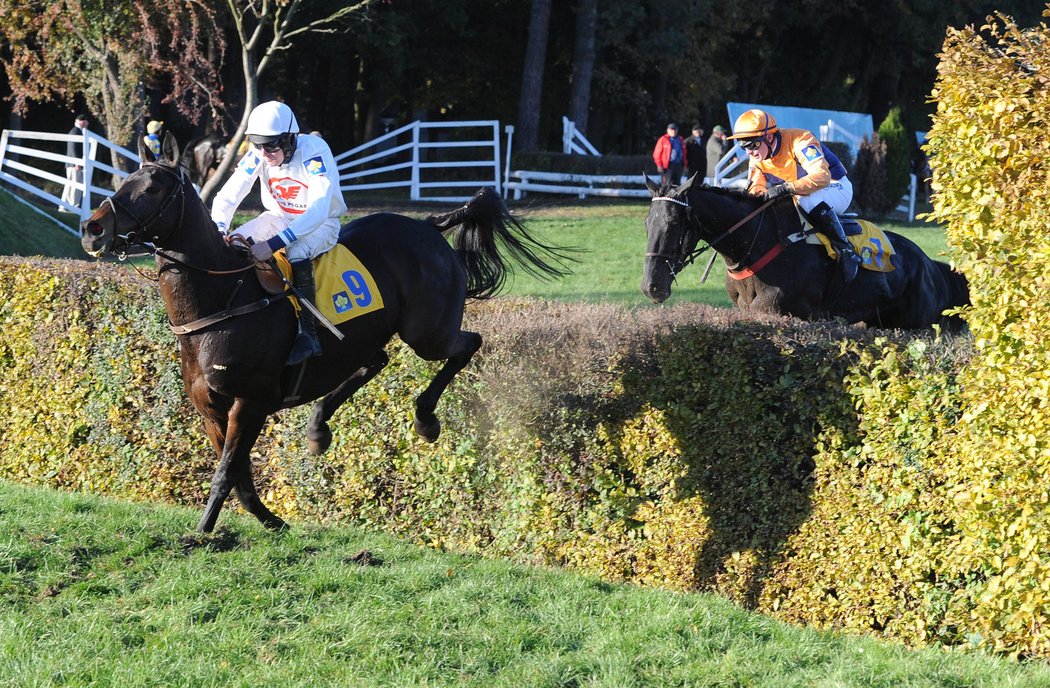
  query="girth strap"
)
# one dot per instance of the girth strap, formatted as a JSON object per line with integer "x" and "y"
{"x": 201, "y": 323}
{"x": 750, "y": 270}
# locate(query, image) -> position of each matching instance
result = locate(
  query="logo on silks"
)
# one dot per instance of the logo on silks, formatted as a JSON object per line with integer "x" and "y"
{"x": 249, "y": 162}
{"x": 315, "y": 165}
{"x": 812, "y": 153}
{"x": 289, "y": 193}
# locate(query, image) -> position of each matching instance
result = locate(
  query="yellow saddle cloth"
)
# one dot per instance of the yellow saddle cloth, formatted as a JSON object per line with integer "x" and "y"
{"x": 872, "y": 245}
{"x": 345, "y": 287}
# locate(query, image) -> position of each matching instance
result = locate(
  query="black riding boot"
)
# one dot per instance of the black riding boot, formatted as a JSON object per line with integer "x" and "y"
{"x": 827, "y": 223}
{"x": 306, "y": 344}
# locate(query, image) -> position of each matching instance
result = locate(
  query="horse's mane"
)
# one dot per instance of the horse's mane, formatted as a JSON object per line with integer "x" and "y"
{"x": 736, "y": 194}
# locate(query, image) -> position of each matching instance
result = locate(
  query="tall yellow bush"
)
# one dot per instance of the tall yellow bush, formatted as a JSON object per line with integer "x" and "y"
{"x": 990, "y": 151}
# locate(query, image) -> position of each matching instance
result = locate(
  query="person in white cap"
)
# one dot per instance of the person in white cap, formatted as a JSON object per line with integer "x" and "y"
{"x": 300, "y": 193}
{"x": 152, "y": 137}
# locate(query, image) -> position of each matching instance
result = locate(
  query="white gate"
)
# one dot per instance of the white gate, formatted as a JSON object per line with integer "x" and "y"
{"x": 433, "y": 160}
{"x": 40, "y": 157}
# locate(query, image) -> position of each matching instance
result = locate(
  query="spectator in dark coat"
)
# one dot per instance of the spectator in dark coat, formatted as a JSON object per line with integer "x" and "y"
{"x": 694, "y": 153}
{"x": 71, "y": 194}
{"x": 717, "y": 146}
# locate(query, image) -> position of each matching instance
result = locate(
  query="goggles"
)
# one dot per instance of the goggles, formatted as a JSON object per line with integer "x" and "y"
{"x": 271, "y": 146}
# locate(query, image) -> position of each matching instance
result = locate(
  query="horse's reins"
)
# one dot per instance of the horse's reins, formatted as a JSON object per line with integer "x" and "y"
{"x": 696, "y": 253}
{"x": 131, "y": 238}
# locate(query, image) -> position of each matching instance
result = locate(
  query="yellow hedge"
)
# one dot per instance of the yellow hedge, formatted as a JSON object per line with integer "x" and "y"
{"x": 992, "y": 154}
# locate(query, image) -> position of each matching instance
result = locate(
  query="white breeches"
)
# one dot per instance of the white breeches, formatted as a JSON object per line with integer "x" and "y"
{"x": 838, "y": 195}
{"x": 315, "y": 243}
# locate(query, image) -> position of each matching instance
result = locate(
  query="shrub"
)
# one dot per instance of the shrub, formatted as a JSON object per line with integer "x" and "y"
{"x": 989, "y": 153}
{"x": 898, "y": 158}
{"x": 869, "y": 176}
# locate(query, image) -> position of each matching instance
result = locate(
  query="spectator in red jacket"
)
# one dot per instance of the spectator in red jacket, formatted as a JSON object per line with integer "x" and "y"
{"x": 670, "y": 156}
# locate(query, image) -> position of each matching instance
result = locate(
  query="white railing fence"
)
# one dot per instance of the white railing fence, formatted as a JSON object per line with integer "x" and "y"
{"x": 418, "y": 156}
{"x": 573, "y": 140}
{"x": 833, "y": 132}
{"x": 427, "y": 158}
{"x": 731, "y": 169}
{"x": 34, "y": 161}
{"x": 580, "y": 185}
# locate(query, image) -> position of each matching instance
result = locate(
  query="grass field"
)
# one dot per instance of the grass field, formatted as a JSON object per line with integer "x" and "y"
{"x": 24, "y": 232}
{"x": 613, "y": 236}
{"x": 609, "y": 268}
{"x": 97, "y": 592}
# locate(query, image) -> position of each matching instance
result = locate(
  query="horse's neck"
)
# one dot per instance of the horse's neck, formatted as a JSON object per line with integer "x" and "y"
{"x": 719, "y": 214}
{"x": 194, "y": 249}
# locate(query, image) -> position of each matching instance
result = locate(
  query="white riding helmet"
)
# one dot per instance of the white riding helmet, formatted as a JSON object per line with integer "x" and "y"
{"x": 271, "y": 122}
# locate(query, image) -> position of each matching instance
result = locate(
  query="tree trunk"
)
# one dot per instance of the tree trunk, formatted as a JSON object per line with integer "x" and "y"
{"x": 583, "y": 57}
{"x": 527, "y": 138}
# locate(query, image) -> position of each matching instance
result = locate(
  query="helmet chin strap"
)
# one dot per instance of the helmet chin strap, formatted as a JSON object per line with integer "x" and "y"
{"x": 291, "y": 143}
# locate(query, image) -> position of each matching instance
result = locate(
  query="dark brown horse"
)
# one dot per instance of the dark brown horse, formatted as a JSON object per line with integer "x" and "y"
{"x": 768, "y": 273}
{"x": 233, "y": 367}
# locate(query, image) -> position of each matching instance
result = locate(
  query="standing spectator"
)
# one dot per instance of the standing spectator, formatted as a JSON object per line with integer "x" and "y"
{"x": 670, "y": 156}
{"x": 717, "y": 146}
{"x": 71, "y": 194}
{"x": 694, "y": 151}
{"x": 152, "y": 137}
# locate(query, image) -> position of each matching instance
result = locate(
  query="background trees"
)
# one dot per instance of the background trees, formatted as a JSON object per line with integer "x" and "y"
{"x": 620, "y": 68}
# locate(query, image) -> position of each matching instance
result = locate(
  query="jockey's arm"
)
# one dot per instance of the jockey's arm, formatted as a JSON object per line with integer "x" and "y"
{"x": 809, "y": 154}
{"x": 234, "y": 190}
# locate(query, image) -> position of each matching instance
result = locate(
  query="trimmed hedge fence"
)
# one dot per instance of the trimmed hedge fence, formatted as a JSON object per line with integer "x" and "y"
{"x": 784, "y": 465}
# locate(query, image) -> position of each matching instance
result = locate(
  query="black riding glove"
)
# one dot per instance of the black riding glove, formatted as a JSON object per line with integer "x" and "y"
{"x": 777, "y": 191}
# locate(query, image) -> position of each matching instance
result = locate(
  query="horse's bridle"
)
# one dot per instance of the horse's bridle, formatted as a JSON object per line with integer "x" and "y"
{"x": 132, "y": 238}
{"x": 138, "y": 235}
{"x": 678, "y": 263}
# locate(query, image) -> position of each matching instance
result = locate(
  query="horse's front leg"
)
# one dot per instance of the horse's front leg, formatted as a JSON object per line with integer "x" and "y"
{"x": 318, "y": 434}
{"x": 243, "y": 423}
{"x": 426, "y": 423}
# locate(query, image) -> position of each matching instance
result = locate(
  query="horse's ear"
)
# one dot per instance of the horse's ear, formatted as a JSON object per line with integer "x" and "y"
{"x": 145, "y": 154}
{"x": 169, "y": 148}
{"x": 688, "y": 183}
{"x": 651, "y": 185}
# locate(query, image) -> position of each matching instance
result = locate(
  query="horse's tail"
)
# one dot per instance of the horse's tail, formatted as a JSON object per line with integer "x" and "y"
{"x": 478, "y": 230}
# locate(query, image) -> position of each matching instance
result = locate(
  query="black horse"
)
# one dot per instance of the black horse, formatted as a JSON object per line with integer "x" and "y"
{"x": 234, "y": 336}
{"x": 768, "y": 273}
{"x": 202, "y": 156}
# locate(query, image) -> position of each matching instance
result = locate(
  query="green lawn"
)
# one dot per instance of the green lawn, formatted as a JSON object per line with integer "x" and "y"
{"x": 613, "y": 236}
{"x": 98, "y": 592}
{"x": 610, "y": 234}
{"x": 24, "y": 232}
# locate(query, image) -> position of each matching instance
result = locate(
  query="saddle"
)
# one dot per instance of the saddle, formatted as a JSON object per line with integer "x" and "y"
{"x": 269, "y": 275}
{"x": 869, "y": 241}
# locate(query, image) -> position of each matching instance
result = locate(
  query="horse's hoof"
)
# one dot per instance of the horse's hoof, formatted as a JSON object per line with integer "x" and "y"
{"x": 276, "y": 524}
{"x": 317, "y": 442}
{"x": 428, "y": 431}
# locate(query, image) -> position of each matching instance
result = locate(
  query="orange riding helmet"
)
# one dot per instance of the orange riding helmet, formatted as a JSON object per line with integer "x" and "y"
{"x": 752, "y": 124}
